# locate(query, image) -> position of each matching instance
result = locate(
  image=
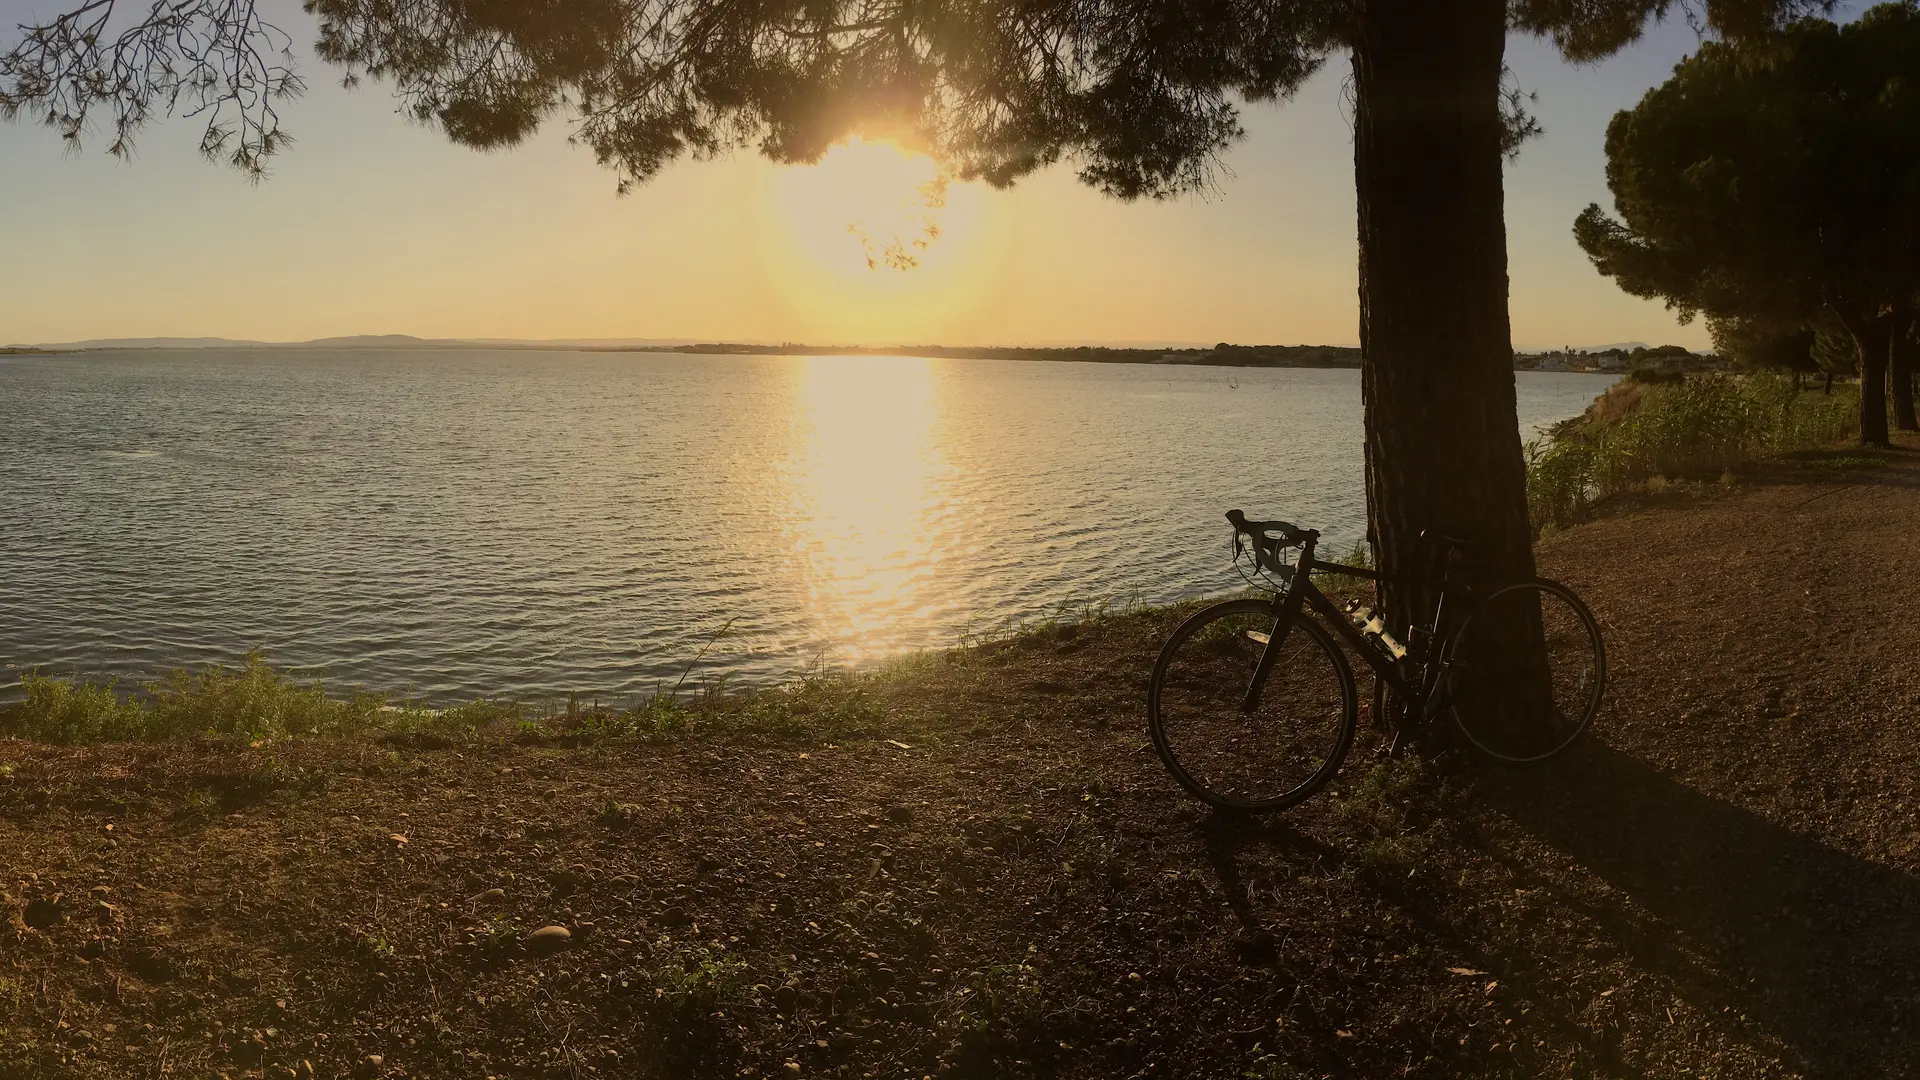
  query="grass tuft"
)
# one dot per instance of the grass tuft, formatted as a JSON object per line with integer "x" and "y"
{"x": 250, "y": 701}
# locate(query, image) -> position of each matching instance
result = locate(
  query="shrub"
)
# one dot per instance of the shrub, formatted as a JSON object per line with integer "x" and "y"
{"x": 1696, "y": 429}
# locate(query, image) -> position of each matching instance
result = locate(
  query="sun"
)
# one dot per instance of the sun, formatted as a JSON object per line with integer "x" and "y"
{"x": 872, "y": 206}
{"x": 875, "y": 243}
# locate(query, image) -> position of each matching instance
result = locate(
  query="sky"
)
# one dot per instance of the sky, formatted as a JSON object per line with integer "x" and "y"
{"x": 372, "y": 224}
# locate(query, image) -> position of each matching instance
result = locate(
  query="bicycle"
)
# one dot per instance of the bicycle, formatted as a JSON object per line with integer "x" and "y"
{"x": 1253, "y": 705}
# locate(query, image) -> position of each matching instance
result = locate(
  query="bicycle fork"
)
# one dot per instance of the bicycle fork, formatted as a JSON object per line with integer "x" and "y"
{"x": 1270, "y": 643}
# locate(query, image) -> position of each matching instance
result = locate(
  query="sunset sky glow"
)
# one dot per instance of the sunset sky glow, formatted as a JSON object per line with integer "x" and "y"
{"x": 372, "y": 224}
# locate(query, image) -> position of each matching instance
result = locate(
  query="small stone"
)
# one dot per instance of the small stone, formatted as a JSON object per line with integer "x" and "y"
{"x": 793, "y": 1067}
{"x": 491, "y": 896}
{"x": 549, "y": 939}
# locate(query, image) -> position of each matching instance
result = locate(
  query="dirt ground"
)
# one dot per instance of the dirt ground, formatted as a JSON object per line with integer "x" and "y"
{"x": 997, "y": 878}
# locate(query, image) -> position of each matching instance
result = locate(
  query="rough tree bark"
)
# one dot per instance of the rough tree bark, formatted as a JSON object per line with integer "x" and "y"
{"x": 1872, "y": 336}
{"x": 1442, "y": 443}
{"x": 1900, "y": 367}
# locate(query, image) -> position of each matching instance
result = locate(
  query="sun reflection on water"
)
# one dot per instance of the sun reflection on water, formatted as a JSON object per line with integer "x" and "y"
{"x": 869, "y": 496}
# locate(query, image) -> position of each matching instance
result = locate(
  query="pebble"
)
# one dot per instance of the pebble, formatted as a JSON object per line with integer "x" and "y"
{"x": 491, "y": 896}
{"x": 550, "y": 939}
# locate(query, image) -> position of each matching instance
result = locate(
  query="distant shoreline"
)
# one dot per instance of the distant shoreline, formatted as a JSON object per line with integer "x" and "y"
{"x": 1221, "y": 355}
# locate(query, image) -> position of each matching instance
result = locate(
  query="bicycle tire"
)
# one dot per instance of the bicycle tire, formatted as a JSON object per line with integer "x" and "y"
{"x": 1179, "y": 691}
{"x": 1489, "y": 627}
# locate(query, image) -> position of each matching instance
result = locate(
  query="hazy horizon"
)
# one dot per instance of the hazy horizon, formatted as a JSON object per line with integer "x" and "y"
{"x": 214, "y": 341}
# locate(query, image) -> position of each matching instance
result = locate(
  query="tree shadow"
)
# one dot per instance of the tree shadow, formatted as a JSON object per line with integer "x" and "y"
{"x": 1228, "y": 839}
{"x": 1820, "y": 947}
{"x": 1816, "y": 948}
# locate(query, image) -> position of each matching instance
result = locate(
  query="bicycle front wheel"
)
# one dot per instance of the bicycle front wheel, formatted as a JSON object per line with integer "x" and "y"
{"x": 1526, "y": 671}
{"x": 1287, "y": 745}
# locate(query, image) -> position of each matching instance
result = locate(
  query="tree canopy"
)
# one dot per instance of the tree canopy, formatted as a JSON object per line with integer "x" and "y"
{"x": 1142, "y": 94}
{"x": 1773, "y": 178}
{"x": 1776, "y": 184}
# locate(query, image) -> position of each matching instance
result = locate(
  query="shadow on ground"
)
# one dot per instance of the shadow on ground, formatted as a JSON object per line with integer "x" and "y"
{"x": 1820, "y": 947}
{"x": 1775, "y": 940}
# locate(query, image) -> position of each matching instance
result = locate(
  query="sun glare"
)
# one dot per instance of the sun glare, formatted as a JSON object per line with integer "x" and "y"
{"x": 874, "y": 241}
{"x": 868, "y": 495}
{"x": 867, "y": 206}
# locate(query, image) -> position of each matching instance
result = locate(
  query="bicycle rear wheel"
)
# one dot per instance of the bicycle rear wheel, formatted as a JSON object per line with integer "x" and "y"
{"x": 1526, "y": 672}
{"x": 1267, "y": 758}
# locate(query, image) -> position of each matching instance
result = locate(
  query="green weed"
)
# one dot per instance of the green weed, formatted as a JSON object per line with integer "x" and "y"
{"x": 1388, "y": 809}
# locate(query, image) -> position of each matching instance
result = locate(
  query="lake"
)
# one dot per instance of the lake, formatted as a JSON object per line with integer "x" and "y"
{"x": 464, "y": 523}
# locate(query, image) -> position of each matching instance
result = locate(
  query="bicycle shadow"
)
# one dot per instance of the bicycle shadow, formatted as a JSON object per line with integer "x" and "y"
{"x": 1228, "y": 839}
{"x": 1820, "y": 947}
{"x": 1817, "y": 948}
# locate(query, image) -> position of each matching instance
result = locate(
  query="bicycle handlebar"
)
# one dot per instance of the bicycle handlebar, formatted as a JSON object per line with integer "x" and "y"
{"x": 1288, "y": 533}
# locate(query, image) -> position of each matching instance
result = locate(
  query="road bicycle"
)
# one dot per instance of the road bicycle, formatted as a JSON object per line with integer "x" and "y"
{"x": 1253, "y": 704}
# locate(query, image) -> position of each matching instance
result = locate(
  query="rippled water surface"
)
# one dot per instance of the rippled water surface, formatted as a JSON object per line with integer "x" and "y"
{"x": 463, "y": 523}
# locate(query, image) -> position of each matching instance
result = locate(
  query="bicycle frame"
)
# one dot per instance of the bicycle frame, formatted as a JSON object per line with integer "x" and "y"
{"x": 1301, "y": 592}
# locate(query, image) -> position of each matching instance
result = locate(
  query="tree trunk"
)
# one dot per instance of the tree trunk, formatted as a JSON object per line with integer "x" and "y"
{"x": 1872, "y": 341}
{"x": 1900, "y": 367}
{"x": 1828, "y": 388}
{"x": 1436, "y": 375}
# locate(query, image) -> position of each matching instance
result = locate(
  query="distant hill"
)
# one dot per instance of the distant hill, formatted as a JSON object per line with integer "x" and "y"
{"x": 353, "y": 341}
{"x": 375, "y": 341}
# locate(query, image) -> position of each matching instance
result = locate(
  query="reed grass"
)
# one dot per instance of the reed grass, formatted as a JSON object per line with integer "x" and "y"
{"x": 1699, "y": 429}
{"x": 251, "y": 700}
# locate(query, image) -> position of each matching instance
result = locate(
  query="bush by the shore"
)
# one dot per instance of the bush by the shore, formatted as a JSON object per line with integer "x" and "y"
{"x": 1697, "y": 429}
